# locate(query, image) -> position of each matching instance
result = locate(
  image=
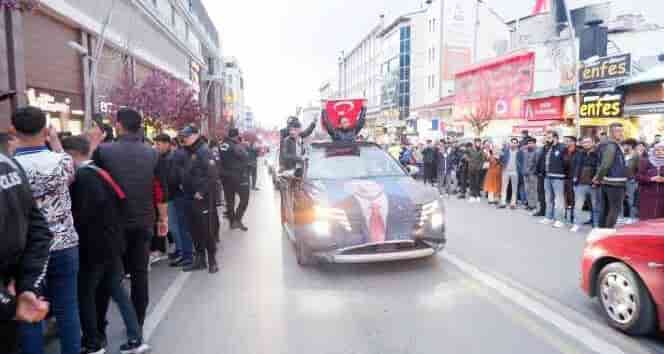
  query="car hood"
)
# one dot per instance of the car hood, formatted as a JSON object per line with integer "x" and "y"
{"x": 404, "y": 189}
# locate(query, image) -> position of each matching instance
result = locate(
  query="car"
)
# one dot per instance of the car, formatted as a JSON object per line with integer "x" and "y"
{"x": 354, "y": 203}
{"x": 624, "y": 269}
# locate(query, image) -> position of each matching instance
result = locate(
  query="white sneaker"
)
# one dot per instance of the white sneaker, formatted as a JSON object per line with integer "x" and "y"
{"x": 630, "y": 221}
{"x": 558, "y": 224}
{"x": 546, "y": 221}
{"x": 575, "y": 228}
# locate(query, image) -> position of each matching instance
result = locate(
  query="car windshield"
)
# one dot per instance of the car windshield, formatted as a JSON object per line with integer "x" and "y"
{"x": 358, "y": 162}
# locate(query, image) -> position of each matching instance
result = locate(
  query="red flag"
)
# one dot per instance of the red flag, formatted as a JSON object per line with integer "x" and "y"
{"x": 541, "y": 6}
{"x": 349, "y": 108}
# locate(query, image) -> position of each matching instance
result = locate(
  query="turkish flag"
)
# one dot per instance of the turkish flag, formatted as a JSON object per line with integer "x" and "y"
{"x": 349, "y": 108}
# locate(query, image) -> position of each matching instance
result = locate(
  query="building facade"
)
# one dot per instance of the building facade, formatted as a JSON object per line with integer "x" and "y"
{"x": 172, "y": 36}
{"x": 234, "y": 105}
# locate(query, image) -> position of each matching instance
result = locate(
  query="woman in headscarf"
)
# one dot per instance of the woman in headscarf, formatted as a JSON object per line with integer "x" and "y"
{"x": 493, "y": 178}
{"x": 651, "y": 184}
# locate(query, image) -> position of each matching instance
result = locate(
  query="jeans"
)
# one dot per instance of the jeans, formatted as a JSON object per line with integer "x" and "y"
{"x": 184, "y": 230}
{"x": 581, "y": 192}
{"x": 530, "y": 184}
{"x": 611, "y": 199}
{"x": 555, "y": 198}
{"x": 108, "y": 276}
{"x": 630, "y": 191}
{"x": 253, "y": 174}
{"x": 514, "y": 179}
{"x": 61, "y": 292}
{"x": 173, "y": 227}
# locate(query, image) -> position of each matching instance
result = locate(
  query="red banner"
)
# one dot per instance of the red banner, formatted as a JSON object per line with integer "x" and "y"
{"x": 550, "y": 108}
{"x": 348, "y": 108}
{"x": 503, "y": 82}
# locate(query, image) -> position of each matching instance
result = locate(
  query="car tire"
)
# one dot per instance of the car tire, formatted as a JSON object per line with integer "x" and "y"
{"x": 635, "y": 312}
{"x": 303, "y": 254}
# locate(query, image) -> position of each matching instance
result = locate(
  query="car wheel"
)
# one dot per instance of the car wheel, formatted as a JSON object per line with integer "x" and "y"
{"x": 625, "y": 300}
{"x": 303, "y": 254}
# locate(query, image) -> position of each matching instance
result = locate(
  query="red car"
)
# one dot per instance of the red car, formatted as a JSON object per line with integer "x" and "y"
{"x": 624, "y": 268}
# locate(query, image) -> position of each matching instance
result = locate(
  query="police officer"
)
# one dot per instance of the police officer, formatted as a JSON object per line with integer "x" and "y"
{"x": 202, "y": 212}
{"x": 235, "y": 157}
{"x": 24, "y": 251}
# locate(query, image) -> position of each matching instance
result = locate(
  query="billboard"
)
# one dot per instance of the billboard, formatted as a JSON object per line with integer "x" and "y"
{"x": 504, "y": 82}
{"x": 607, "y": 68}
{"x": 602, "y": 105}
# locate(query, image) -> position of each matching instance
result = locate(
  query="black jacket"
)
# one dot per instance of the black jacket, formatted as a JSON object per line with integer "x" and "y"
{"x": 430, "y": 155}
{"x": 168, "y": 168}
{"x": 100, "y": 233}
{"x": 289, "y": 153}
{"x": 197, "y": 170}
{"x": 584, "y": 160}
{"x": 284, "y": 134}
{"x": 557, "y": 167}
{"x": 340, "y": 134}
{"x": 25, "y": 237}
{"x": 134, "y": 166}
{"x": 235, "y": 159}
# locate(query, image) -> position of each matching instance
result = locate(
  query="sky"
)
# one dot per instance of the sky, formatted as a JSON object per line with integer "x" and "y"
{"x": 288, "y": 48}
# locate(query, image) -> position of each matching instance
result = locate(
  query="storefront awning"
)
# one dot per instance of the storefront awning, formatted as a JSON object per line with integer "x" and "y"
{"x": 557, "y": 92}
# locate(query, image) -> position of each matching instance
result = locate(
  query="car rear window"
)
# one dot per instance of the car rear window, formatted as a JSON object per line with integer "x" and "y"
{"x": 344, "y": 162}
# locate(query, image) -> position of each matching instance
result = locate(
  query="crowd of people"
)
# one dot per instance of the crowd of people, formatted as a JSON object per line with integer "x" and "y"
{"x": 80, "y": 214}
{"x": 617, "y": 180}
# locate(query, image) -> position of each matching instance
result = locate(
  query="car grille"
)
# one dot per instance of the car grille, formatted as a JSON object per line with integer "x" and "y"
{"x": 386, "y": 247}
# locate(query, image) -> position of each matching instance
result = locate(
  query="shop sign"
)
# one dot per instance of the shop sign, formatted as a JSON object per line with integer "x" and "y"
{"x": 607, "y": 68}
{"x": 105, "y": 107}
{"x": 602, "y": 105}
{"x": 47, "y": 102}
{"x": 549, "y": 108}
{"x": 645, "y": 109}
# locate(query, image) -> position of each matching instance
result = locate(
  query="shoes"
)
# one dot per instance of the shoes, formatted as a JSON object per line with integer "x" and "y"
{"x": 93, "y": 351}
{"x": 630, "y": 221}
{"x": 558, "y": 224}
{"x": 546, "y": 221}
{"x": 156, "y": 257}
{"x": 134, "y": 347}
{"x": 242, "y": 227}
{"x": 214, "y": 268}
{"x": 174, "y": 255}
{"x": 180, "y": 262}
{"x": 513, "y": 207}
{"x": 537, "y": 214}
{"x": 502, "y": 206}
{"x": 589, "y": 223}
{"x": 575, "y": 228}
{"x": 234, "y": 225}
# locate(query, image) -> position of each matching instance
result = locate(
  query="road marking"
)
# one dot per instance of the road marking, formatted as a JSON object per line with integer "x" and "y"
{"x": 159, "y": 312}
{"x": 527, "y": 322}
{"x": 628, "y": 343}
{"x": 579, "y": 333}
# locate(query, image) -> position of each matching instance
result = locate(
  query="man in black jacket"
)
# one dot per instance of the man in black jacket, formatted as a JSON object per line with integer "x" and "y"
{"x": 134, "y": 166}
{"x": 24, "y": 252}
{"x": 295, "y": 133}
{"x": 430, "y": 159}
{"x": 345, "y": 132}
{"x": 253, "y": 164}
{"x": 101, "y": 246}
{"x": 236, "y": 157}
{"x": 552, "y": 164}
{"x": 202, "y": 214}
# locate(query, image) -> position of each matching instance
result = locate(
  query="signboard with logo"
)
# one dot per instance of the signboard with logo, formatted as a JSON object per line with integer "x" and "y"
{"x": 607, "y": 68}
{"x": 602, "y": 105}
{"x": 550, "y": 108}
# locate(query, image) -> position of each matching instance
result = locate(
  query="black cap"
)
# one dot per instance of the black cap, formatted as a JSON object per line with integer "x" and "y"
{"x": 233, "y": 133}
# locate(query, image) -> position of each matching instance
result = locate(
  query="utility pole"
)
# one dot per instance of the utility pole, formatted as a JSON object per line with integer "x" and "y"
{"x": 477, "y": 30}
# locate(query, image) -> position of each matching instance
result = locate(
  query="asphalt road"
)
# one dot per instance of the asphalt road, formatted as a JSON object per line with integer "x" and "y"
{"x": 504, "y": 285}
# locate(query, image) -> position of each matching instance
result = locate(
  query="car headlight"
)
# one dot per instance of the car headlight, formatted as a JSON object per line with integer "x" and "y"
{"x": 325, "y": 215}
{"x": 432, "y": 212}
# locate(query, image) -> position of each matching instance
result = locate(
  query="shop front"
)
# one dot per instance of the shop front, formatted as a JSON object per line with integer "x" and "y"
{"x": 598, "y": 110}
{"x": 57, "y": 86}
{"x": 645, "y": 102}
{"x": 545, "y": 113}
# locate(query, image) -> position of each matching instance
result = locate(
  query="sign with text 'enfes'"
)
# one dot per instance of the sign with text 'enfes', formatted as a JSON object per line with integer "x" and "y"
{"x": 347, "y": 108}
{"x": 602, "y": 105}
{"x": 607, "y": 68}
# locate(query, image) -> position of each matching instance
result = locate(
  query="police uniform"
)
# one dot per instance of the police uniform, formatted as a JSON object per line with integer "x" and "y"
{"x": 235, "y": 159}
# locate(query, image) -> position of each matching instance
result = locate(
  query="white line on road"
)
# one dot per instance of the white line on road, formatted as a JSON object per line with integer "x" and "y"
{"x": 159, "y": 312}
{"x": 580, "y": 333}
